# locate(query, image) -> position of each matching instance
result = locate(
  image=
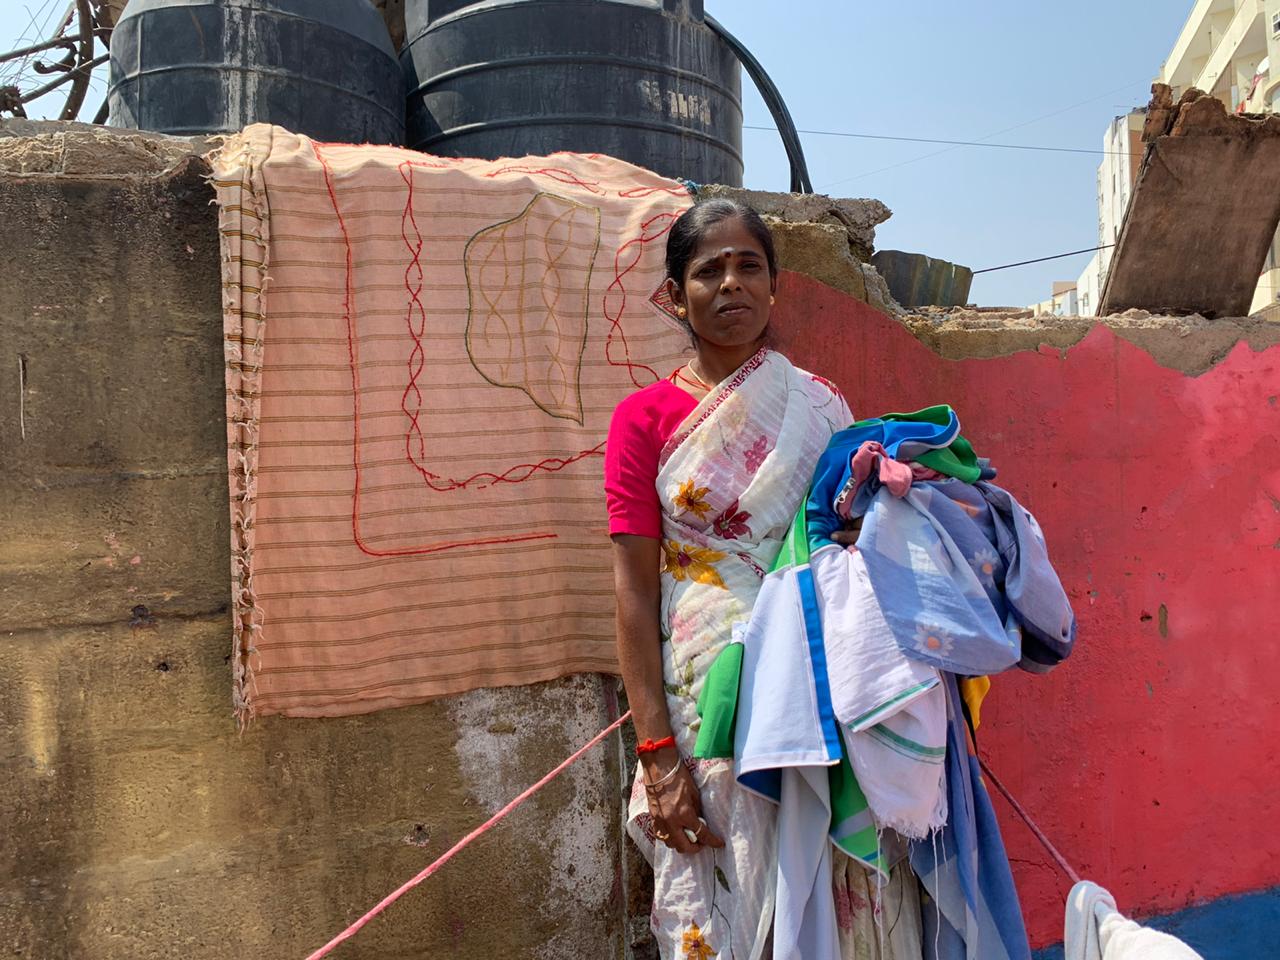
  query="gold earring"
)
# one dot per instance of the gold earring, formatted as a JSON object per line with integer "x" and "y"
{"x": 772, "y": 301}
{"x": 681, "y": 312}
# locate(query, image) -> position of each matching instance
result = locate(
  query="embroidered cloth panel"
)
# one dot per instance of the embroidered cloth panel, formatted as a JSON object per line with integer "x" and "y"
{"x": 422, "y": 357}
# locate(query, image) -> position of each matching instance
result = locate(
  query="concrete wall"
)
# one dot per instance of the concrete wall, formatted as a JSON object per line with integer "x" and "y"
{"x": 1188, "y": 199}
{"x": 136, "y": 822}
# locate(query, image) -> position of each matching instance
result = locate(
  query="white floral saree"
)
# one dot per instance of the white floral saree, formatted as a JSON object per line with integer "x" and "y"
{"x": 730, "y": 481}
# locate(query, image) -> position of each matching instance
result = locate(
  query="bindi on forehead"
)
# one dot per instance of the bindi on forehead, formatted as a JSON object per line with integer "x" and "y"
{"x": 728, "y": 253}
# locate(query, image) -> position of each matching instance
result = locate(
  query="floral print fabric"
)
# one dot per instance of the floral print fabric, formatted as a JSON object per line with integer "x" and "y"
{"x": 877, "y": 924}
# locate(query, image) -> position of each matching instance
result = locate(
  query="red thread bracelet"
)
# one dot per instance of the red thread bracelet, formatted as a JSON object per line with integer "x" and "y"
{"x": 653, "y": 746}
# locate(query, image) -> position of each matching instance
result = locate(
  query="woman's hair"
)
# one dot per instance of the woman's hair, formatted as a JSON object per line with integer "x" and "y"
{"x": 687, "y": 232}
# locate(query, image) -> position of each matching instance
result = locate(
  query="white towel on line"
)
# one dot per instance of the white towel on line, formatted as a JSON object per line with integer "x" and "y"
{"x": 1095, "y": 930}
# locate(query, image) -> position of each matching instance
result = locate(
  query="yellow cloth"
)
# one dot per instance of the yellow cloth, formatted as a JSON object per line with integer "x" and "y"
{"x": 973, "y": 690}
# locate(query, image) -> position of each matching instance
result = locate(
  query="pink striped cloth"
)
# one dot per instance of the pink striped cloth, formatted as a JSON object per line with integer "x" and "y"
{"x": 422, "y": 358}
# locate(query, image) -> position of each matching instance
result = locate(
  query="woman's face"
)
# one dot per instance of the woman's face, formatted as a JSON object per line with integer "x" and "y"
{"x": 727, "y": 287}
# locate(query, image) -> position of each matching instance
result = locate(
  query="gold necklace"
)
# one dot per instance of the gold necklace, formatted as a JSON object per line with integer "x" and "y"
{"x": 691, "y": 381}
{"x": 702, "y": 383}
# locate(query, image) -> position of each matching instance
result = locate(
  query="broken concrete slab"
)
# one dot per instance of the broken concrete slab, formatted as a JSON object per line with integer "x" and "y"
{"x": 821, "y": 251}
{"x": 1204, "y": 210}
{"x": 858, "y": 218}
{"x": 916, "y": 280}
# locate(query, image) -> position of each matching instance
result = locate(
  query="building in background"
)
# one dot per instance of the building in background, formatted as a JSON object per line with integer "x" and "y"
{"x": 1118, "y": 172}
{"x": 1225, "y": 49}
{"x": 1063, "y": 302}
{"x": 1231, "y": 50}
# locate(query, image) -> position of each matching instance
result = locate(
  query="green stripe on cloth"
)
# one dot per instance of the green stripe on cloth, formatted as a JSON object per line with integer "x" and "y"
{"x": 795, "y": 548}
{"x": 718, "y": 705}
{"x": 861, "y": 721}
{"x": 852, "y": 828}
{"x": 906, "y": 747}
{"x": 958, "y": 460}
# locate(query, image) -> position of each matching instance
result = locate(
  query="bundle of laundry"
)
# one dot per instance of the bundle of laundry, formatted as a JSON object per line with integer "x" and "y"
{"x": 960, "y": 567}
{"x": 841, "y": 701}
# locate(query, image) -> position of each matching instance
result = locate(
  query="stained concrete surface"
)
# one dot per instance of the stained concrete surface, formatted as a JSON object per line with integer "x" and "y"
{"x": 137, "y": 822}
{"x": 31, "y": 148}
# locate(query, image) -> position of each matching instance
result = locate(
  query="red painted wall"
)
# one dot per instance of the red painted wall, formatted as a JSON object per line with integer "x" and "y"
{"x": 1150, "y": 756}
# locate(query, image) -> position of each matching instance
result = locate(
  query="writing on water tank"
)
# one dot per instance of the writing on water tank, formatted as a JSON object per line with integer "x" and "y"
{"x": 675, "y": 103}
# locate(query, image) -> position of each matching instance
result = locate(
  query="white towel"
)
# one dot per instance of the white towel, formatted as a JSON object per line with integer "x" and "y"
{"x": 804, "y": 920}
{"x": 1095, "y": 930}
{"x": 892, "y": 709}
{"x": 780, "y": 707}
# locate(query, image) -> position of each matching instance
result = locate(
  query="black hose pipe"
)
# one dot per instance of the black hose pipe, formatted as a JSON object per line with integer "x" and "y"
{"x": 800, "y": 182}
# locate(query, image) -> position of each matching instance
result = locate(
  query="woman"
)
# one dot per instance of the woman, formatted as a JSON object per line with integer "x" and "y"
{"x": 704, "y": 472}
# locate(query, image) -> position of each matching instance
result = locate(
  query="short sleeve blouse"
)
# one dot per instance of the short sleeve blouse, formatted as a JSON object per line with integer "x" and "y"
{"x": 640, "y": 428}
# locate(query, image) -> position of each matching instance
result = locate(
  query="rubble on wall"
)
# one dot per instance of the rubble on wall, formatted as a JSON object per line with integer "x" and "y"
{"x": 85, "y": 150}
{"x": 857, "y": 218}
{"x": 1190, "y": 343}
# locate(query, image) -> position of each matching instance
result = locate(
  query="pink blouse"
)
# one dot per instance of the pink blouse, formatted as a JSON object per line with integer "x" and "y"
{"x": 641, "y": 426}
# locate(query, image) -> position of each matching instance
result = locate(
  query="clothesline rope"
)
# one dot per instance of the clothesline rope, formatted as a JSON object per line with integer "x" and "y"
{"x": 408, "y": 885}
{"x": 564, "y": 765}
{"x": 1031, "y": 824}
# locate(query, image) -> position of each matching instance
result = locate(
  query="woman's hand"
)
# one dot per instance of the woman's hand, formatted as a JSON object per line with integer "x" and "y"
{"x": 848, "y": 535}
{"x": 676, "y": 805}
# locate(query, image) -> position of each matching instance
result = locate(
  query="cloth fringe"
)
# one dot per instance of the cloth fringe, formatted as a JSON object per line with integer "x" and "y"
{"x": 244, "y": 242}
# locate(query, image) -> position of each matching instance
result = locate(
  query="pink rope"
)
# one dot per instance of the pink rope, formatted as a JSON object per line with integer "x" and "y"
{"x": 404, "y": 888}
{"x": 1031, "y": 824}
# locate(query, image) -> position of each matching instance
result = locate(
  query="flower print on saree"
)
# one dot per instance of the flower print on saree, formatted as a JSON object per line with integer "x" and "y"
{"x": 686, "y": 561}
{"x": 731, "y": 523}
{"x": 692, "y": 499}
{"x": 755, "y": 454}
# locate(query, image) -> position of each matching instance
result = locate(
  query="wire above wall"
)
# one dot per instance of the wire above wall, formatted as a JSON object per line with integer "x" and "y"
{"x": 955, "y": 143}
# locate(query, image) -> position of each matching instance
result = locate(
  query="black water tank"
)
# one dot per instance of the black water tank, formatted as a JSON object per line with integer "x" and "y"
{"x": 643, "y": 80}
{"x": 325, "y": 68}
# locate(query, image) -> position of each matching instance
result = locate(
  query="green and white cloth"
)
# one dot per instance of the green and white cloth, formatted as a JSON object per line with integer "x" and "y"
{"x": 825, "y": 685}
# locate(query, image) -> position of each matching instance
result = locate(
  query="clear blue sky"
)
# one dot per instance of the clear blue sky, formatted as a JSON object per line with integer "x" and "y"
{"x": 959, "y": 71}
{"x": 944, "y": 70}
